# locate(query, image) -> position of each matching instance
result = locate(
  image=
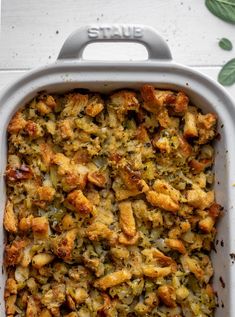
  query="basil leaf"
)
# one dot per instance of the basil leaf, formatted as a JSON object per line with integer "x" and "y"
{"x": 227, "y": 74}
{"x": 223, "y": 9}
{"x": 225, "y": 44}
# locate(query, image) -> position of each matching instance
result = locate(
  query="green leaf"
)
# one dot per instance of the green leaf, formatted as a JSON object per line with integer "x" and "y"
{"x": 223, "y": 9}
{"x": 225, "y": 44}
{"x": 227, "y": 74}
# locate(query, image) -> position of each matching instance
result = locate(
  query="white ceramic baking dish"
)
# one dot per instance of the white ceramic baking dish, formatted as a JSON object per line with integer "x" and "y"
{"x": 71, "y": 71}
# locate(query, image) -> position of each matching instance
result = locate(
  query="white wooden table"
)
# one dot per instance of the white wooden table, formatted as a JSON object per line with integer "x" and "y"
{"x": 33, "y": 31}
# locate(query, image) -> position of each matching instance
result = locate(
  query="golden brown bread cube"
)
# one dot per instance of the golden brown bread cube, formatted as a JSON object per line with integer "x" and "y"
{"x": 162, "y": 200}
{"x": 206, "y": 224}
{"x": 198, "y": 198}
{"x": 126, "y": 240}
{"x": 66, "y": 129}
{"x": 126, "y": 218}
{"x": 63, "y": 244}
{"x": 162, "y": 186}
{"x": 14, "y": 252}
{"x": 167, "y": 295}
{"x": 176, "y": 244}
{"x": 41, "y": 259}
{"x": 95, "y": 106}
{"x": 17, "y": 123}
{"x": 79, "y": 202}
{"x": 40, "y": 227}
{"x": 151, "y": 270}
{"x": 46, "y": 193}
{"x": 113, "y": 279}
{"x": 190, "y": 126}
{"x": 98, "y": 231}
{"x": 10, "y": 219}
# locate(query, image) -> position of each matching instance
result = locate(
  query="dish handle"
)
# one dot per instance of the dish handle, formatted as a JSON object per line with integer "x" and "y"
{"x": 75, "y": 44}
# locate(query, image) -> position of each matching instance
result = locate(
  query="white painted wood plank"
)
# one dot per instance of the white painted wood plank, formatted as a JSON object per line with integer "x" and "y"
{"x": 7, "y": 77}
{"x": 29, "y": 36}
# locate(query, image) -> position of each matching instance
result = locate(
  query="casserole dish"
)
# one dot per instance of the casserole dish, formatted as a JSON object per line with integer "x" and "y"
{"x": 70, "y": 71}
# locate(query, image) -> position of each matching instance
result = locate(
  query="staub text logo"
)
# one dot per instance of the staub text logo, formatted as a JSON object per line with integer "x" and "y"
{"x": 115, "y": 32}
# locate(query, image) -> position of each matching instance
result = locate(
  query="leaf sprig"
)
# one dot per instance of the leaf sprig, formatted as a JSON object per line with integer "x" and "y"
{"x": 225, "y": 44}
{"x": 226, "y": 76}
{"x": 223, "y": 9}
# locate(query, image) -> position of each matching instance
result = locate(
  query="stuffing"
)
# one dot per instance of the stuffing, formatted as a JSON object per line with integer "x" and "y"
{"x": 110, "y": 207}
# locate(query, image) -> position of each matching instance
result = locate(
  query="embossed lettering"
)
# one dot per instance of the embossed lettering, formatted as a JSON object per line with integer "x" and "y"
{"x": 105, "y": 32}
{"x": 93, "y": 32}
{"x": 127, "y": 32}
{"x": 115, "y": 32}
{"x": 137, "y": 32}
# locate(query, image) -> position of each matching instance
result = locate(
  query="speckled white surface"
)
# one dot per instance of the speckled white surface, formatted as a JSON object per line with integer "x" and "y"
{"x": 33, "y": 31}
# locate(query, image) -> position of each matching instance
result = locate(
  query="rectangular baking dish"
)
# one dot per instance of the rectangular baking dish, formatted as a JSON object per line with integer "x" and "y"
{"x": 71, "y": 71}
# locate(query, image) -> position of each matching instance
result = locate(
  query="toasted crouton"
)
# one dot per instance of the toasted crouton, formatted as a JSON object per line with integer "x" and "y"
{"x": 79, "y": 202}
{"x": 167, "y": 295}
{"x": 162, "y": 200}
{"x": 113, "y": 279}
{"x": 46, "y": 193}
{"x": 124, "y": 100}
{"x": 10, "y": 220}
{"x": 66, "y": 129}
{"x": 95, "y": 106}
{"x": 162, "y": 186}
{"x": 63, "y": 245}
{"x": 126, "y": 218}
{"x": 190, "y": 126}
{"x": 155, "y": 99}
{"x": 192, "y": 265}
{"x": 207, "y": 224}
{"x": 126, "y": 240}
{"x": 198, "y": 198}
{"x": 14, "y": 252}
{"x": 40, "y": 227}
{"x": 41, "y": 259}
{"x": 98, "y": 231}
{"x": 17, "y": 123}
{"x": 154, "y": 271}
{"x": 176, "y": 244}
